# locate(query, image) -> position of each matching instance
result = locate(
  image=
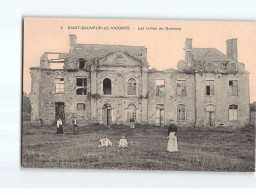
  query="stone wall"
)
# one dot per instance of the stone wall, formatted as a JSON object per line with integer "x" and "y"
{"x": 119, "y": 99}
{"x": 43, "y": 96}
{"x": 48, "y": 97}
{"x": 34, "y": 96}
{"x": 221, "y": 99}
{"x": 170, "y": 100}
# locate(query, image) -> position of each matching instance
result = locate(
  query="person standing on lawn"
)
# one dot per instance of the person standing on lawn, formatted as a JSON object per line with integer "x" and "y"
{"x": 172, "y": 145}
{"x": 132, "y": 125}
{"x": 59, "y": 126}
{"x": 74, "y": 126}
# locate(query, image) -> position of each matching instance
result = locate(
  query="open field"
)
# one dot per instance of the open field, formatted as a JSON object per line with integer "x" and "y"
{"x": 200, "y": 149}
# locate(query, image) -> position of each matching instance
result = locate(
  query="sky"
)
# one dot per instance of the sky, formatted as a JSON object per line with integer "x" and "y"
{"x": 164, "y": 47}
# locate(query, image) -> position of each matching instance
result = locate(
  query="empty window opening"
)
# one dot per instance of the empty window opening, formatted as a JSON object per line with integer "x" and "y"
{"x": 233, "y": 88}
{"x": 160, "y": 87}
{"x": 81, "y": 63}
{"x": 81, "y": 91}
{"x": 59, "y": 85}
{"x": 181, "y": 87}
{"x": 181, "y": 113}
{"x": 107, "y": 86}
{"x": 57, "y": 65}
{"x": 233, "y": 112}
{"x": 81, "y": 84}
{"x": 209, "y": 87}
{"x": 53, "y": 56}
{"x": 54, "y": 61}
{"x": 131, "y": 88}
{"x": 80, "y": 106}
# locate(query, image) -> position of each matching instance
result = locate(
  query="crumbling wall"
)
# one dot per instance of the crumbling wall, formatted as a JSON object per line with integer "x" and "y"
{"x": 221, "y": 98}
{"x": 70, "y": 98}
{"x": 34, "y": 95}
{"x": 170, "y": 100}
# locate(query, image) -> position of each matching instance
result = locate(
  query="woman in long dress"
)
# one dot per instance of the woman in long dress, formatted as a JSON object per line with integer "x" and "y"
{"x": 132, "y": 125}
{"x": 59, "y": 127}
{"x": 172, "y": 145}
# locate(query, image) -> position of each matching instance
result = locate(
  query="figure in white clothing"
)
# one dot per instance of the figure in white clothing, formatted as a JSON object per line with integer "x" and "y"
{"x": 104, "y": 142}
{"x": 172, "y": 145}
{"x": 59, "y": 126}
{"x": 123, "y": 142}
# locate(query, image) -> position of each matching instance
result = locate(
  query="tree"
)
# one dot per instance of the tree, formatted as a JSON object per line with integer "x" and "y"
{"x": 253, "y": 106}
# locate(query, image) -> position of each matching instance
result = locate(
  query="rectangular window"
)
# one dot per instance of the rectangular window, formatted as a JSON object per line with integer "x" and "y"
{"x": 131, "y": 87}
{"x": 81, "y": 86}
{"x": 181, "y": 87}
{"x": 80, "y": 106}
{"x": 160, "y": 87}
{"x": 233, "y": 88}
{"x": 81, "y": 82}
{"x": 209, "y": 87}
{"x": 59, "y": 85}
{"x": 233, "y": 112}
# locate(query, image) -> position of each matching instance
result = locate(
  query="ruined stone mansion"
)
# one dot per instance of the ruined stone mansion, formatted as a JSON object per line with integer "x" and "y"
{"x": 109, "y": 84}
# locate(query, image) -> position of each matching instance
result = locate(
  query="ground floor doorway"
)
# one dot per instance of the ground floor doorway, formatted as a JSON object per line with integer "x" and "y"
{"x": 160, "y": 118}
{"x": 107, "y": 114}
{"x": 210, "y": 115}
{"x": 59, "y": 111}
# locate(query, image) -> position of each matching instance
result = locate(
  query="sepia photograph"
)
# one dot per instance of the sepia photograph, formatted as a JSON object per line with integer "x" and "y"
{"x": 168, "y": 95}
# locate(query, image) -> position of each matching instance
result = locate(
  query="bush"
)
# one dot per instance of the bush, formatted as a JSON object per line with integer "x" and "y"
{"x": 248, "y": 128}
{"x": 252, "y": 107}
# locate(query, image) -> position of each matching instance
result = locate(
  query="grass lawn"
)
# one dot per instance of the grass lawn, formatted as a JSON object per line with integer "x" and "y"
{"x": 200, "y": 149}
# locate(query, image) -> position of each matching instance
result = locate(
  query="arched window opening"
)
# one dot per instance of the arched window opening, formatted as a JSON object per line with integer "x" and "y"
{"x": 181, "y": 112}
{"x": 81, "y": 63}
{"x": 107, "y": 86}
{"x": 233, "y": 112}
{"x": 131, "y": 112}
{"x": 131, "y": 88}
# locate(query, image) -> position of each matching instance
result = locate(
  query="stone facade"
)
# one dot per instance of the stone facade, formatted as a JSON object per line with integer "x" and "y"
{"x": 109, "y": 84}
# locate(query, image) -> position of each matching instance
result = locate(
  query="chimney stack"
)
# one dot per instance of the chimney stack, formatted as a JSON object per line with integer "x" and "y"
{"x": 231, "y": 45}
{"x": 72, "y": 42}
{"x": 188, "y": 44}
{"x": 188, "y": 49}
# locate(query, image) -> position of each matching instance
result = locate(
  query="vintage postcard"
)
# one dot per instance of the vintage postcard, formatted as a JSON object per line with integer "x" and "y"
{"x": 139, "y": 94}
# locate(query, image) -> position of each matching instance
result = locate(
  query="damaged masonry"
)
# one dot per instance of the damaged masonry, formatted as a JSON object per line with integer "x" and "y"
{"x": 109, "y": 84}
